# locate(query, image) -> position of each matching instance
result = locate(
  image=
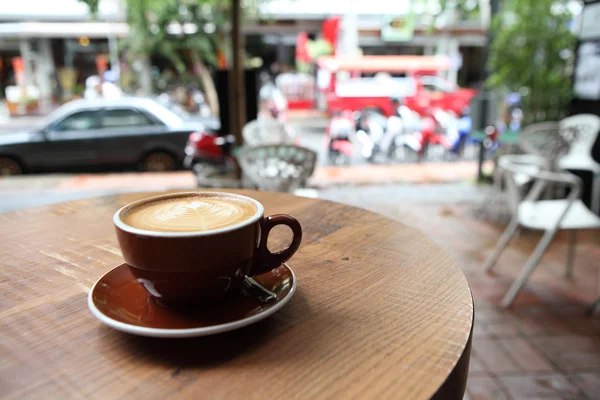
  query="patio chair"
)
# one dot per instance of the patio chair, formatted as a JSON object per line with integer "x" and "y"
{"x": 530, "y": 161}
{"x": 581, "y": 131}
{"x": 278, "y": 168}
{"x": 544, "y": 140}
{"x": 265, "y": 131}
{"x": 549, "y": 216}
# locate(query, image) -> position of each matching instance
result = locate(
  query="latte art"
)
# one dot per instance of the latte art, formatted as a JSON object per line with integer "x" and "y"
{"x": 188, "y": 214}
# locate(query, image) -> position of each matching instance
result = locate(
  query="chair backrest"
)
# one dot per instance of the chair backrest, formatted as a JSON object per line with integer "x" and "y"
{"x": 278, "y": 168}
{"x": 543, "y": 139}
{"x": 266, "y": 131}
{"x": 512, "y": 166}
{"x": 581, "y": 132}
{"x": 517, "y": 170}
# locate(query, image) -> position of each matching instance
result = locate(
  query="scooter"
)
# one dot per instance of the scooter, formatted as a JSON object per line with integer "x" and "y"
{"x": 338, "y": 133}
{"x": 402, "y": 136}
{"x": 433, "y": 140}
{"x": 370, "y": 129}
{"x": 209, "y": 154}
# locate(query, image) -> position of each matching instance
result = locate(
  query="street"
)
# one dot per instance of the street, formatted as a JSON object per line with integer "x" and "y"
{"x": 344, "y": 183}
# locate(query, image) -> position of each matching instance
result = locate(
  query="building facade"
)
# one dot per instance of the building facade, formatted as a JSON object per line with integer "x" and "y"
{"x": 42, "y": 42}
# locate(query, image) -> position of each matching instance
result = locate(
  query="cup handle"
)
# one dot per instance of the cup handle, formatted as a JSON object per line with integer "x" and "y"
{"x": 264, "y": 261}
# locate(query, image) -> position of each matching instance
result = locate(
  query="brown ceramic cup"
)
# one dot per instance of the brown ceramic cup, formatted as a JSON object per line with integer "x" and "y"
{"x": 202, "y": 267}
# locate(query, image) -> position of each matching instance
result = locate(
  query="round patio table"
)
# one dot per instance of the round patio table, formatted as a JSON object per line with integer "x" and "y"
{"x": 380, "y": 312}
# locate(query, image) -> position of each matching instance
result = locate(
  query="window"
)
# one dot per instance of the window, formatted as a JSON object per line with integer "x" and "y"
{"x": 79, "y": 121}
{"x": 431, "y": 87}
{"x": 124, "y": 117}
{"x": 436, "y": 84}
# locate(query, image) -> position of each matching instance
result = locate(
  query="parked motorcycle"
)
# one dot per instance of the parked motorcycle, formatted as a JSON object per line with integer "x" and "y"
{"x": 370, "y": 129}
{"x": 402, "y": 136}
{"x": 209, "y": 154}
{"x": 460, "y": 136}
{"x": 338, "y": 142}
{"x": 429, "y": 142}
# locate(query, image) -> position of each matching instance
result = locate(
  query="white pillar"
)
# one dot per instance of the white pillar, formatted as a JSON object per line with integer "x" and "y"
{"x": 348, "y": 43}
{"x": 26, "y": 55}
{"x": 113, "y": 50}
{"x": 455, "y": 59}
{"x": 448, "y": 44}
{"x": 441, "y": 49}
{"x": 45, "y": 71}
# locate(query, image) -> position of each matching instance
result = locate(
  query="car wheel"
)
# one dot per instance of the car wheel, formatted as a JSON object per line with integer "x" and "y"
{"x": 9, "y": 166}
{"x": 159, "y": 161}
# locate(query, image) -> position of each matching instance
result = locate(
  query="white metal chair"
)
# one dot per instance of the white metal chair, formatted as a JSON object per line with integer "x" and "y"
{"x": 549, "y": 216}
{"x": 581, "y": 132}
{"x": 544, "y": 140}
{"x": 279, "y": 168}
{"x": 530, "y": 161}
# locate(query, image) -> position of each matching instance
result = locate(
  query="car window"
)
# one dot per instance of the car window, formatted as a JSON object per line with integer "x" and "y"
{"x": 124, "y": 117}
{"x": 431, "y": 87}
{"x": 79, "y": 121}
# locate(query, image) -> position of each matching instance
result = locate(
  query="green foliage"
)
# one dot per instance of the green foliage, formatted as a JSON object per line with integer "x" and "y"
{"x": 148, "y": 21}
{"x": 92, "y": 4}
{"x": 532, "y": 53}
{"x": 434, "y": 13}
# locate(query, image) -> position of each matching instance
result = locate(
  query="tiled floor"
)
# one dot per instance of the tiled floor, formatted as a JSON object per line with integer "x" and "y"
{"x": 543, "y": 347}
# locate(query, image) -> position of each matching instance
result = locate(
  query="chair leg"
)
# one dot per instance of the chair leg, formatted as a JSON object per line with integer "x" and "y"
{"x": 596, "y": 195}
{"x": 528, "y": 268}
{"x": 570, "y": 253}
{"x": 592, "y": 308}
{"x": 502, "y": 243}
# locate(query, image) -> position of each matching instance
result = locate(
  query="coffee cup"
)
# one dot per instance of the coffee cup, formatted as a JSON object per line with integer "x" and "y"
{"x": 196, "y": 248}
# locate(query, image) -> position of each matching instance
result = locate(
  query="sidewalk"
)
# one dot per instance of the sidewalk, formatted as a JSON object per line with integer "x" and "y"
{"x": 308, "y": 120}
{"x": 324, "y": 176}
{"x": 35, "y": 190}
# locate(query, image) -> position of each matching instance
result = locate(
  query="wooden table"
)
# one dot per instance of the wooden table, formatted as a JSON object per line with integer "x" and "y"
{"x": 380, "y": 312}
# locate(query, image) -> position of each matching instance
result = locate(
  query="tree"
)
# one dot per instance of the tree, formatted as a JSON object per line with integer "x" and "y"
{"x": 183, "y": 31}
{"x": 532, "y": 53}
{"x": 439, "y": 13}
{"x": 188, "y": 32}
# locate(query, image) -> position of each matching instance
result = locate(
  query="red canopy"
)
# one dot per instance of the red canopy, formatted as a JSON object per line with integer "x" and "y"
{"x": 385, "y": 63}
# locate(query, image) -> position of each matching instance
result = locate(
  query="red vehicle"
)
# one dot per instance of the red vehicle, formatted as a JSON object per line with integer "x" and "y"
{"x": 347, "y": 86}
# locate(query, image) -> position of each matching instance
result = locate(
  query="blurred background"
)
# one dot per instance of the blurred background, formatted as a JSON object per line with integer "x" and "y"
{"x": 454, "y": 116}
{"x": 421, "y": 90}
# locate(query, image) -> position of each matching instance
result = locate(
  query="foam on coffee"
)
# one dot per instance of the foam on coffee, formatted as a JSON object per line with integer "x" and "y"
{"x": 189, "y": 213}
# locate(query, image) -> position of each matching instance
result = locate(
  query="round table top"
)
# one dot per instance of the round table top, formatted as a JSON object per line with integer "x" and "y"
{"x": 380, "y": 312}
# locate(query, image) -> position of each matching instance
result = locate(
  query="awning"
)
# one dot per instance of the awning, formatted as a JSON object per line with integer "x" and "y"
{"x": 63, "y": 29}
{"x": 385, "y": 63}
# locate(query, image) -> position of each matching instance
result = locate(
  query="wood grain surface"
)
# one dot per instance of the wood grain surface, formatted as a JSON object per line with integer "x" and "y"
{"x": 380, "y": 312}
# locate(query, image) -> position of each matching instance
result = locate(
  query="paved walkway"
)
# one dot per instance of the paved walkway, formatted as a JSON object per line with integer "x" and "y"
{"x": 395, "y": 173}
{"x": 324, "y": 176}
{"x": 33, "y": 190}
{"x": 543, "y": 347}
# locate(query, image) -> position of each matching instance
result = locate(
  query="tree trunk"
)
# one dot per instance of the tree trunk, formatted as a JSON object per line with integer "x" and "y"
{"x": 208, "y": 85}
{"x": 145, "y": 75}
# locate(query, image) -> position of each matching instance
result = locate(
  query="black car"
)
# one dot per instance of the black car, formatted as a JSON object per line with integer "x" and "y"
{"x": 92, "y": 134}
